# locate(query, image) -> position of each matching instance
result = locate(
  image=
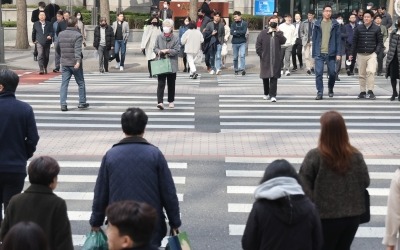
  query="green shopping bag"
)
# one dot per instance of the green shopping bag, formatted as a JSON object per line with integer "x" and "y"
{"x": 161, "y": 66}
{"x": 95, "y": 241}
{"x": 179, "y": 241}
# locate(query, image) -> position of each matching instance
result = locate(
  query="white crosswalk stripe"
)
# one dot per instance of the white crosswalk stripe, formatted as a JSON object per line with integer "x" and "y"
{"x": 300, "y": 113}
{"x": 79, "y": 197}
{"x": 242, "y": 171}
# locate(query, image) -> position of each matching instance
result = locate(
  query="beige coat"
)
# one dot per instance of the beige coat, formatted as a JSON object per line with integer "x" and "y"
{"x": 393, "y": 212}
{"x": 192, "y": 39}
{"x": 149, "y": 38}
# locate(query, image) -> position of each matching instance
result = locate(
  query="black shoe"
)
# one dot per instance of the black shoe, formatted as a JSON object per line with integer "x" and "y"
{"x": 195, "y": 75}
{"x": 379, "y": 74}
{"x": 83, "y": 105}
{"x": 319, "y": 97}
{"x": 337, "y": 79}
{"x": 393, "y": 97}
{"x": 356, "y": 70}
{"x": 236, "y": 73}
{"x": 185, "y": 70}
{"x": 362, "y": 95}
{"x": 45, "y": 70}
{"x": 41, "y": 72}
{"x": 371, "y": 95}
{"x": 312, "y": 71}
{"x": 294, "y": 69}
{"x": 348, "y": 72}
{"x": 243, "y": 72}
{"x": 351, "y": 73}
{"x": 309, "y": 72}
{"x": 330, "y": 93}
{"x": 56, "y": 70}
{"x": 64, "y": 108}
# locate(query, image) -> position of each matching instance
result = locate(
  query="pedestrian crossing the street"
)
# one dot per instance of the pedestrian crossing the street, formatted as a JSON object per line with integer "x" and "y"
{"x": 124, "y": 79}
{"x": 76, "y": 183}
{"x": 244, "y": 174}
{"x": 105, "y": 111}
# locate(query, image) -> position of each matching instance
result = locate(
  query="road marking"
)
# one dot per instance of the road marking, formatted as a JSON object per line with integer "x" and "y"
{"x": 88, "y": 196}
{"x": 299, "y": 160}
{"x": 116, "y": 119}
{"x": 96, "y": 164}
{"x": 307, "y": 124}
{"x": 93, "y": 178}
{"x": 118, "y": 113}
{"x": 67, "y": 125}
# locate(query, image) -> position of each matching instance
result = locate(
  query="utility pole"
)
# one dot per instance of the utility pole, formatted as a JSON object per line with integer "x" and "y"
{"x": 2, "y": 57}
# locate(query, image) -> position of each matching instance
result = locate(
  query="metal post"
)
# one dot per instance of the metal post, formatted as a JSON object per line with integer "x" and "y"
{"x": 119, "y": 9}
{"x": 2, "y": 57}
{"x": 94, "y": 15}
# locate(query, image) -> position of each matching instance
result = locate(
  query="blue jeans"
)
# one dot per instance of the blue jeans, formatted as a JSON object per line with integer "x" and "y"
{"x": 67, "y": 72}
{"x": 239, "y": 51}
{"x": 120, "y": 44}
{"x": 319, "y": 71}
{"x": 218, "y": 57}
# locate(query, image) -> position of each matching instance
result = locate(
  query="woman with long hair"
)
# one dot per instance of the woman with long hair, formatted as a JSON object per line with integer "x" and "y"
{"x": 282, "y": 216}
{"x": 25, "y": 235}
{"x": 335, "y": 176}
{"x": 81, "y": 26}
{"x": 393, "y": 58}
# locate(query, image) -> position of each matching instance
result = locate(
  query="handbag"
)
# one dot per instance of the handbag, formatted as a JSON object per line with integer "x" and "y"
{"x": 161, "y": 66}
{"x": 178, "y": 241}
{"x": 95, "y": 240}
{"x": 366, "y": 216}
{"x": 224, "y": 49}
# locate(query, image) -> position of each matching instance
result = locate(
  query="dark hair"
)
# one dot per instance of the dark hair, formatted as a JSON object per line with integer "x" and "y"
{"x": 326, "y": 6}
{"x": 338, "y": 15}
{"x": 237, "y": 13}
{"x": 43, "y": 170}
{"x": 76, "y": 13}
{"x": 150, "y": 21}
{"x": 42, "y": 4}
{"x": 383, "y": 8}
{"x": 192, "y": 25}
{"x": 369, "y": 12}
{"x": 9, "y": 79}
{"x": 42, "y": 11}
{"x": 60, "y": 12}
{"x": 134, "y": 219}
{"x": 287, "y": 15}
{"x": 273, "y": 17}
{"x": 334, "y": 144}
{"x": 188, "y": 18}
{"x": 200, "y": 10}
{"x": 296, "y": 12}
{"x": 352, "y": 14}
{"x": 120, "y": 13}
{"x": 134, "y": 121}
{"x": 311, "y": 12}
{"x": 25, "y": 235}
{"x": 378, "y": 15}
{"x": 279, "y": 168}
{"x": 67, "y": 12}
{"x": 217, "y": 13}
{"x": 72, "y": 21}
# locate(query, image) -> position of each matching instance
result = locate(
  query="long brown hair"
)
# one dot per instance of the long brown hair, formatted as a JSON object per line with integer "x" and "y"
{"x": 334, "y": 143}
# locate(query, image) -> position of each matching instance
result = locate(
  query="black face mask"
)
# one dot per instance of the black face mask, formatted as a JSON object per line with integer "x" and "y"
{"x": 200, "y": 16}
{"x": 103, "y": 24}
{"x": 273, "y": 25}
{"x": 154, "y": 23}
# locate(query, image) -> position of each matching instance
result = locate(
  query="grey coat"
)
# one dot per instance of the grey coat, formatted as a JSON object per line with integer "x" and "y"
{"x": 268, "y": 48}
{"x": 173, "y": 45}
{"x": 304, "y": 32}
{"x": 70, "y": 47}
{"x": 336, "y": 196}
{"x": 221, "y": 31}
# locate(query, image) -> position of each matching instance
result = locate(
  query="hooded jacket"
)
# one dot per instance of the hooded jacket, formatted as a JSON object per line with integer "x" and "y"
{"x": 282, "y": 218}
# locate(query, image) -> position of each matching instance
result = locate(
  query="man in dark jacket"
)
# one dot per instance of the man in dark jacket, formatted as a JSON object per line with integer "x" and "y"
{"x": 343, "y": 37}
{"x": 70, "y": 48}
{"x": 202, "y": 20}
{"x": 42, "y": 36}
{"x": 103, "y": 42}
{"x": 205, "y": 7}
{"x": 239, "y": 43}
{"x": 214, "y": 34}
{"x": 18, "y": 138}
{"x": 326, "y": 49}
{"x": 367, "y": 44}
{"x": 134, "y": 169}
{"x": 35, "y": 18}
{"x": 166, "y": 12}
{"x": 349, "y": 41}
{"x": 51, "y": 10}
{"x": 386, "y": 17}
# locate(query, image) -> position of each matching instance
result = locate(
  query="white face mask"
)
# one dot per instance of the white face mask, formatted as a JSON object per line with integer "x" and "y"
{"x": 53, "y": 1}
{"x": 78, "y": 16}
{"x": 167, "y": 29}
{"x": 165, "y": 6}
{"x": 340, "y": 21}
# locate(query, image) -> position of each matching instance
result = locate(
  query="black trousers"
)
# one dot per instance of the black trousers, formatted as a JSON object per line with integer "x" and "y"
{"x": 339, "y": 233}
{"x": 210, "y": 56}
{"x": 380, "y": 57}
{"x": 10, "y": 185}
{"x": 149, "y": 67}
{"x": 353, "y": 62}
{"x": 297, "y": 50}
{"x": 270, "y": 86}
{"x": 168, "y": 79}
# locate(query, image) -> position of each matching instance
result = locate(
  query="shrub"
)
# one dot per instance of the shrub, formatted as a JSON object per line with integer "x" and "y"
{"x": 10, "y": 24}
{"x": 254, "y": 22}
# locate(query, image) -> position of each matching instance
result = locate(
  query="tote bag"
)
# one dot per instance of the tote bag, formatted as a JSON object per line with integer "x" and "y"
{"x": 161, "y": 66}
{"x": 178, "y": 242}
{"x": 224, "y": 49}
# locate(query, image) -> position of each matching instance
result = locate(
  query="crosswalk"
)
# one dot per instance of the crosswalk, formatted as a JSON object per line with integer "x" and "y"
{"x": 297, "y": 112}
{"x": 76, "y": 184}
{"x": 106, "y": 107}
{"x": 244, "y": 173}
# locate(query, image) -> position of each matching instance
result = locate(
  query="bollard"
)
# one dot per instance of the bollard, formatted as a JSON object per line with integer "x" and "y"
{"x": 2, "y": 57}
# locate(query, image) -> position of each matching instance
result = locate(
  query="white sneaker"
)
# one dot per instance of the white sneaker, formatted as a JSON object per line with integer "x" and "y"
{"x": 171, "y": 105}
{"x": 287, "y": 73}
{"x": 281, "y": 72}
{"x": 117, "y": 65}
{"x": 212, "y": 72}
{"x": 160, "y": 106}
{"x": 121, "y": 68}
{"x": 218, "y": 72}
{"x": 273, "y": 99}
{"x": 265, "y": 97}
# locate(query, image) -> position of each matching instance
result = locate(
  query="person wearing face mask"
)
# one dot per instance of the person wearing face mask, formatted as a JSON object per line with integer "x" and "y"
{"x": 202, "y": 20}
{"x": 167, "y": 46}
{"x": 182, "y": 30}
{"x": 343, "y": 36}
{"x": 350, "y": 31}
{"x": 393, "y": 59}
{"x": 150, "y": 34}
{"x": 81, "y": 26}
{"x": 51, "y": 10}
{"x": 166, "y": 12}
{"x": 35, "y": 18}
{"x": 297, "y": 46}
{"x": 103, "y": 42}
{"x": 306, "y": 32}
{"x": 59, "y": 19}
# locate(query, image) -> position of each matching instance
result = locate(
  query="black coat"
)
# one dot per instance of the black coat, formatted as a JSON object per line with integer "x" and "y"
{"x": 268, "y": 48}
{"x": 40, "y": 36}
{"x": 109, "y": 37}
{"x": 287, "y": 223}
{"x": 35, "y": 15}
{"x": 367, "y": 40}
{"x": 51, "y": 11}
{"x": 394, "y": 45}
{"x": 206, "y": 9}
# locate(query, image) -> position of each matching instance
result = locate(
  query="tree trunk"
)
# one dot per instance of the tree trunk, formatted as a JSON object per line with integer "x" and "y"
{"x": 21, "y": 41}
{"x": 193, "y": 9}
{"x": 105, "y": 10}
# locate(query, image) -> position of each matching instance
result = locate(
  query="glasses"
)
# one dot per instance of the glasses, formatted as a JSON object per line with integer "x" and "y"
{"x": 327, "y": 10}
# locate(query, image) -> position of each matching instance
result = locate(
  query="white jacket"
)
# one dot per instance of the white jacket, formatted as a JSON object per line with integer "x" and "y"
{"x": 149, "y": 38}
{"x": 289, "y": 32}
{"x": 393, "y": 212}
{"x": 192, "y": 39}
